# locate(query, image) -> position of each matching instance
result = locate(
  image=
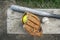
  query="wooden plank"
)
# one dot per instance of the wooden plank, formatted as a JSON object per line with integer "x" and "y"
{"x": 14, "y": 25}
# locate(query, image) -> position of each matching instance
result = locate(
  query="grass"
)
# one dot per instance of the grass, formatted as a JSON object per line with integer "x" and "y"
{"x": 39, "y": 3}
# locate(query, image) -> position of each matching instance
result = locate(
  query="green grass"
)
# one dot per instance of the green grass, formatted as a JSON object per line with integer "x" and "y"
{"x": 39, "y": 3}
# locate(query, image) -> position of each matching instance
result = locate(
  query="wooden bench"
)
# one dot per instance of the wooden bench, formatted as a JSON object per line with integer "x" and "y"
{"x": 14, "y": 25}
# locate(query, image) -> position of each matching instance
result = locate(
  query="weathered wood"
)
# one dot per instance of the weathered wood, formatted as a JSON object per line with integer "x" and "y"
{"x": 14, "y": 25}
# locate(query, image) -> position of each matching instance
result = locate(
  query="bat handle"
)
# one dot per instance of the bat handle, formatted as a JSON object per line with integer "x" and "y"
{"x": 55, "y": 16}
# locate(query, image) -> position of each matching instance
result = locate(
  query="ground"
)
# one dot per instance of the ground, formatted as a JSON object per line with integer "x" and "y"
{"x": 5, "y": 36}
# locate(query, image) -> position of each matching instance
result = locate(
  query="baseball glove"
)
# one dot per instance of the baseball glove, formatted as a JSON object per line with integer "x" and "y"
{"x": 32, "y": 24}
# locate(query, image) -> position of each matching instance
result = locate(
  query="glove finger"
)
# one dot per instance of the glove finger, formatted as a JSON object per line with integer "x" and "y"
{"x": 28, "y": 28}
{"x": 32, "y": 25}
{"x": 28, "y": 13}
{"x": 36, "y": 22}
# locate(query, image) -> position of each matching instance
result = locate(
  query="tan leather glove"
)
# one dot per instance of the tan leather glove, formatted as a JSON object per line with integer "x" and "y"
{"x": 33, "y": 25}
